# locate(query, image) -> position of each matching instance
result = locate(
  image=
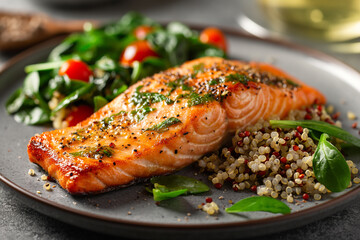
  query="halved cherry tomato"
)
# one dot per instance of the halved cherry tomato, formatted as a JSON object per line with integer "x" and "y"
{"x": 76, "y": 69}
{"x": 137, "y": 51}
{"x": 214, "y": 37}
{"x": 141, "y": 31}
{"x": 78, "y": 114}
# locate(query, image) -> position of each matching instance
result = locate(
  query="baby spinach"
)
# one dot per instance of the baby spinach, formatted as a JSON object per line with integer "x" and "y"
{"x": 43, "y": 66}
{"x": 259, "y": 203}
{"x": 99, "y": 102}
{"x": 330, "y": 166}
{"x": 82, "y": 93}
{"x": 32, "y": 116}
{"x": 160, "y": 193}
{"x": 319, "y": 126}
{"x": 171, "y": 186}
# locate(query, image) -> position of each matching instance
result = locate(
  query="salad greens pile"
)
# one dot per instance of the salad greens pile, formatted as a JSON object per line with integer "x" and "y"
{"x": 101, "y": 50}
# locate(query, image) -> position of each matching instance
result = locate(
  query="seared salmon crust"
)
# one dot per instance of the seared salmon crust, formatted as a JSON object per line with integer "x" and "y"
{"x": 166, "y": 122}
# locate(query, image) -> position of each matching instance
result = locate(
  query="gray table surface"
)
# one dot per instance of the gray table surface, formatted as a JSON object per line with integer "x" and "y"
{"x": 17, "y": 221}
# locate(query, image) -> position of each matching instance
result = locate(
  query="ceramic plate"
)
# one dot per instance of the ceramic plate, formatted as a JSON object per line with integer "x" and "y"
{"x": 131, "y": 212}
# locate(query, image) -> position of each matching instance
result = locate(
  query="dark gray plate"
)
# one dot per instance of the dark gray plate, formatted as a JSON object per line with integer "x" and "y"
{"x": 109, "y": 212}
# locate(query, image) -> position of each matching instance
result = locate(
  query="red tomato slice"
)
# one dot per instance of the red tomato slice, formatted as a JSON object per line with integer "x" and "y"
{"x": 137, "y": 51}
{"x": 141, "y": 31}
{"x": 215, "y": 37}
{"x": 76, "y": 69}
{"x": 79, "y": 114}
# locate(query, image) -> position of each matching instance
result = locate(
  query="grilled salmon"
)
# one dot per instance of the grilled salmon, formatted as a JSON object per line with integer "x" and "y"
{"x": 165, "y": 122}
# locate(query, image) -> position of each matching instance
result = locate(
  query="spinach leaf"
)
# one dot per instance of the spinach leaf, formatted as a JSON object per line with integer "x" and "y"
{"x": 330, "y": 166}
{"x": 159, "y": 195}
{"x": 319, "y": 126}
{"x": 18, "y": 101}
{"x": 179, "y": 28}
{"x": 173, "y": 47}
{"x": 32, "y": 116}
{"x": 43, "y": 66}
{"x": 177, "y": 182}
{"x": 99, "y": 102}
{"x": 164, "y": 125}
{"x": 127, "y": 24}
{"x": 147, "y": 67}
{"x": 80, "y": 94}
{"x": 32, "y": 84}
{"x": 166, "y": 187}
{"x": 259, "y": 203}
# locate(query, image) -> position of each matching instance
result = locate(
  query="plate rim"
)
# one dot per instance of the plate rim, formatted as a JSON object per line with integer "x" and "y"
{"x": 337, "y": 202}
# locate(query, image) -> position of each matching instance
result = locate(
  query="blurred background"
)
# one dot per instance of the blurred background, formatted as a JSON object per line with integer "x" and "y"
{"x": 330, "y": 26}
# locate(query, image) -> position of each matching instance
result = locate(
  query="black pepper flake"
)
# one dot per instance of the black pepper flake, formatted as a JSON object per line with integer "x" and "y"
{"x": 161, "y": 151}
{"x": 135, "y": 150}
{"x": 100, "y": 161}
{"x": 114, "y": 163}
{"x": 71, "y": 174}
{"x": 176, "y": 151}
{"x": 186, "y": 133}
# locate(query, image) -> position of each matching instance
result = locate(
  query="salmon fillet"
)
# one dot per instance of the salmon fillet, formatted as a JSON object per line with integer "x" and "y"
{"x": 166, "y": 122}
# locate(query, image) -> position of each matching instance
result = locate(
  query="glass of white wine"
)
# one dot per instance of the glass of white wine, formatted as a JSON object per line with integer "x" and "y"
{"x": 328, "y": 20}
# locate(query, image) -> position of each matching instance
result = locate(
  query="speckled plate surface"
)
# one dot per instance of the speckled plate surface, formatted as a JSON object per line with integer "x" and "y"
{"x": 131, "y": 212}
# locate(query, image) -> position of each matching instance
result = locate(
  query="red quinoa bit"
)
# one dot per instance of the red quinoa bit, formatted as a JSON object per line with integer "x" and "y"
{"x": 299, "y": 129}
{"x": 283, "y": 160}
{"x": 305, "y": 196}
{"x": 308, "y": 117}
{"x": 354, "y": 125}
{"x": 208, "y": 200}
{"x": 271, "y": 162}
{"x": 112, "y": 145}
{"x": 336, "y": 115}
{"x": 253, "y": 188}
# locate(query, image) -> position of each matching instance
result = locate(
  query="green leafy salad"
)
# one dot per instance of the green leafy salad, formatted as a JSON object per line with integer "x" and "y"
{"x": 89, "y": 69}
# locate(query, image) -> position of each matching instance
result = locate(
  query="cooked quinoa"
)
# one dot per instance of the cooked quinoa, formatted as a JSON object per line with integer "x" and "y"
{"x": 272, "y": 162}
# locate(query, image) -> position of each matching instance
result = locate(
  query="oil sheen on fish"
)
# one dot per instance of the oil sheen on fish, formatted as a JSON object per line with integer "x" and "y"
{"x": 166, "y": 122}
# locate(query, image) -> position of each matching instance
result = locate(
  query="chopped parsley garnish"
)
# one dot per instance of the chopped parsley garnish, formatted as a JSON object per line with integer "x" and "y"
{"x": 198, "y": 68}
{"x": 140, "y": 113}
{"x": 236, "y": 77}
{"x": 292, "y": 83}
{"x": 108, "y": 120}
{"x": 164, "y": 126}
{"x": 216, "y": 81}
{"x": 141, "y": 99}
{"x": 94, "y": 152}
{"x": 179, "y": 83}
{"x": 196, "y": 99}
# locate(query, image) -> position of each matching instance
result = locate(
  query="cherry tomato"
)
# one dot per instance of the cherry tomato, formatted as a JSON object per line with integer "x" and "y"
{"x": 137, "y": 51}
{"x": 141, "y": 31}
{"x": 78, "y": 114}
{"x": 214, "y": 37}
{"x": 76, "y": 69}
